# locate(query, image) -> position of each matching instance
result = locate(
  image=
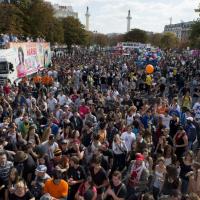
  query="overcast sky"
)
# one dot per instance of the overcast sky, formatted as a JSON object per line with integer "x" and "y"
{"x": 109, "y": 16}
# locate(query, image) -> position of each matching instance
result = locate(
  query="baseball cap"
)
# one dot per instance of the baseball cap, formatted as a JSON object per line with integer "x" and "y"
{"x": 41, "y": 168}
{"x": 190, "y": 119}
{"x": 57, "y": 152}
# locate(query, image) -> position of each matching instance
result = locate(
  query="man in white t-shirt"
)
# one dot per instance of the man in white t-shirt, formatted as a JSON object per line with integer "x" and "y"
{"x": 48, "y": 147}
{"x": 196, "y": 109}
{"x": 68, "y": 101}
{"x": 51, "y": 102}
{"x": 166, "y": 119}
{"x": 128, "y": 138}
{"x": 61, "y": 98}
{"x": 50, "y": 73}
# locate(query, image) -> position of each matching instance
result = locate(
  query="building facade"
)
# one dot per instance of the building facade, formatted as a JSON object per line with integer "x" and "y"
{"x": 64, "y": 11}
{"x": 181, "y": 30}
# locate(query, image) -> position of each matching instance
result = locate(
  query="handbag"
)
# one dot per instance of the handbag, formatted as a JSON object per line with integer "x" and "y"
{"x": 121, "y": 149}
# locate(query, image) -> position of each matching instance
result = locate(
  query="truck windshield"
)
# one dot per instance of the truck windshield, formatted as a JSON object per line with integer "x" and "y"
{"x": 3, "y": 67}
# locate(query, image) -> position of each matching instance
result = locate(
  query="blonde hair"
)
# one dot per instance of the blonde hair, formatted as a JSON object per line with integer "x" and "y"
{"x": 194, "y": 196}
{"x": 46, "y": 134}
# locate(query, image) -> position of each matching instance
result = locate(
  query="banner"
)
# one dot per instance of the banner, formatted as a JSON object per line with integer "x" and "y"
{"x": 31, "y": 57}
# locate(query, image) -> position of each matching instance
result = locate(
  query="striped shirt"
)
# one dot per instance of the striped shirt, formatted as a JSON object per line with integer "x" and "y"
{"x": 4, "y": 171}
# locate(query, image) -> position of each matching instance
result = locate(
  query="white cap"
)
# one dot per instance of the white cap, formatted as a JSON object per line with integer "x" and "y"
{"x": 190, "y": 119}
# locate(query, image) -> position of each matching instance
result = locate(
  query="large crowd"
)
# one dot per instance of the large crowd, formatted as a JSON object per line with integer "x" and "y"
{"x": 104, "y": 129}
{"x": 5, "y": 39}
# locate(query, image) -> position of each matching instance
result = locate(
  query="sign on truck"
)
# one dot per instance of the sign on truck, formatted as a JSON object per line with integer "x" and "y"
{"x": 23, "y": 59}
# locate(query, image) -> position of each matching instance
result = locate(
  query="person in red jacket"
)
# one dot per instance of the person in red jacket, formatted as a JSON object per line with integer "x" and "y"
{"x": 83, "y": 109}
{"x": 7, "y": 88}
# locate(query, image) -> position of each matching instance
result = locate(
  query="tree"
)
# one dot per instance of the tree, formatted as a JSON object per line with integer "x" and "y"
{"x": 195, "y": 35}
{"x": 136, "y": 35}
{"x": 56, "y": 32}
{"x": 36, "y": 18}
{"x": 89, "y": 38}
{"x": 40, "y": 18}
{"x": 24, "y": 6}
{"x": 169, "y": 40}
{"x": 11, "y": 19}
{"x": 155, "y": 39}
{"x": 114, "y": 39}
{"x": 101, "y": 40}
{"x": 74, "y": 32}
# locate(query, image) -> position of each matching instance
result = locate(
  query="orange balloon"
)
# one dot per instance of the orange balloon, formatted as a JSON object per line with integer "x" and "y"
{"x": 149, "y": 69}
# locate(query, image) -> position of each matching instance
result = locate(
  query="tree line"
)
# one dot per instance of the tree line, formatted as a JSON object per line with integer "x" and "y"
{"x": 35, "y": 18}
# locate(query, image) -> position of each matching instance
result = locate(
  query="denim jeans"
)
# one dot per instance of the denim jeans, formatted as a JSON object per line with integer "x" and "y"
{"x": 184, "y": 186}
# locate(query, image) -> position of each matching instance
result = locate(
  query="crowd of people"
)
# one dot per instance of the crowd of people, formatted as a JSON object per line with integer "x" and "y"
{"x": 6, "y": 38}
{"x": 104, "y": 130}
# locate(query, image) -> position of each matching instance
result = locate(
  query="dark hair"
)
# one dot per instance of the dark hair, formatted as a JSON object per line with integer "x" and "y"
{"x": 75, "y": 159}
{"x": 96, "y": 160}
{"x": 89, "y": 180}
{"x": 147, "y": 196}
{"x": 2, "y": 152}
{"x": 17, "y": 177}
{"x": 57, "y": 174}
{"x": 172, "y": 171}
{"x": 102, "y": 125}
{"x": 96, "y": 137}
{"x": 51, "y": 137}
{"x": 20, "y": 50}
{"x": 46, "y": 54}
{"x": 175, "y": 193}
{"x": 117, "y": 174}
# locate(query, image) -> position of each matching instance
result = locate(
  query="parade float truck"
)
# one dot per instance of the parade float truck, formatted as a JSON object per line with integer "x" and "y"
{"x": 23, "y": 59}
{"x": 125, "y": 48}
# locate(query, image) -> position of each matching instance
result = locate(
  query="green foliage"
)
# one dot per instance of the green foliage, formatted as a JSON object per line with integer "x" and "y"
{"x": 169, "y": 40}
{"x": 89, "y": 40}
{"x": 11, "y": 19}
{"x": 74, "y": 32}
{"x": 40, "y": 18}
{"x": 24, "y": 6}
{"x": 101, "y": 40}
{"x": 56, "y": 32}
{"x": 195, "y": 35}
{"x": 155, "y": 39}
{"x": 114, "y": 39}
{"x": 35, "y": 18}
{"x": 136, "y": 35}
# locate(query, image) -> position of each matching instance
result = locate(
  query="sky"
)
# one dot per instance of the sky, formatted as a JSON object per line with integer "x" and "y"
{"x": 109, "y": 16}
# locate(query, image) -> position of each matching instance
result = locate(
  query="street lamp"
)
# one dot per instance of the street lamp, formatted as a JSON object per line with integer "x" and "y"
{"x": 95, "y": 37}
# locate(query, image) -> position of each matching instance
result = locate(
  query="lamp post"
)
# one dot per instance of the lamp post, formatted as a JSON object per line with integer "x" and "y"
{"x": 95, "y": 40}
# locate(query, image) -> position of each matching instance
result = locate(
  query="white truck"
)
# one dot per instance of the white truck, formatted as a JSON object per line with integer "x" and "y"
{"x": 23, "y": 59}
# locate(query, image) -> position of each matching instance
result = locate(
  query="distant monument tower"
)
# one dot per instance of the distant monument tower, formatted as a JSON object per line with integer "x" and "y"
{"x": 87, "y": 16}
{"x": 129, "y": 21}
{"x": 170, "y": 20}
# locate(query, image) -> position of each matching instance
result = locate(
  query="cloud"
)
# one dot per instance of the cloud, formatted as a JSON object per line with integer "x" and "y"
{"x": 109, "y": 16}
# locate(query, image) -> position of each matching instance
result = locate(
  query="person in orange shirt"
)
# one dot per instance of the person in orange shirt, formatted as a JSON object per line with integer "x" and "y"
{"x": 57, "y": 187}
{"x": 161, "y": 109}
